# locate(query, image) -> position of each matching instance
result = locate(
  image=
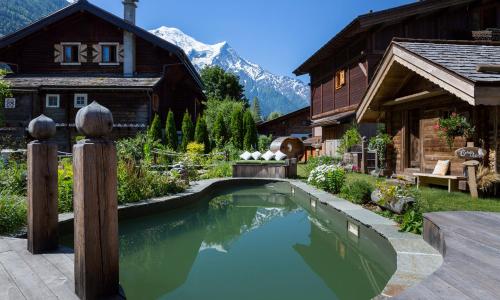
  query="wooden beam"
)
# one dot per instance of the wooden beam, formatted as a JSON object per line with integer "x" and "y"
{"x": 415, "y": 97}
{"x": 488, "y": 68}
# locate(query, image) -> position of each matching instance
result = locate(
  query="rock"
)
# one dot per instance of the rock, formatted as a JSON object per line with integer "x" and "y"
{"x": 397, "y": 205}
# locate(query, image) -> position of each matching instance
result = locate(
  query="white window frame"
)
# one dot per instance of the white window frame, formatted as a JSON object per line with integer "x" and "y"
{"x": 9, "y": 99}
{"x": 47, "y": 104}
{"x": 63, "y": 54}
{"x": 117, "y": 45}
{"x": 85, "y": 96}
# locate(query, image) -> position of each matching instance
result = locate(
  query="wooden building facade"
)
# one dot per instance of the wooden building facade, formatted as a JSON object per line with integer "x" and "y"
{"x": 342, "y": 69}
{"x": 295, "y": 124}
{"x": 82, "y": 54}
{"x": 419, "y": 83}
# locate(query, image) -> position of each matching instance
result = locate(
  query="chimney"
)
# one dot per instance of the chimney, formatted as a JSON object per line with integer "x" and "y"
{"x": 129, "y": 7}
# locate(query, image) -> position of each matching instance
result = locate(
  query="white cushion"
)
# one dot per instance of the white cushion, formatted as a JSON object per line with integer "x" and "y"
{"x": 246, "y": 155}
{"x": 256, "y": 155}
{"x": 441, "y": 168}
{"x": 279, "y": 155}
{"x": 268, "y": 155}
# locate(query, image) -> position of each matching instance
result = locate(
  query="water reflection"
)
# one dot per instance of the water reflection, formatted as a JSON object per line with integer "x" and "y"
{"x": 247, "y": 243}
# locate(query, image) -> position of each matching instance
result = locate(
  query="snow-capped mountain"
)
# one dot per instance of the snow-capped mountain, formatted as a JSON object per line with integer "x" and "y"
{"x": 275, "y": 93}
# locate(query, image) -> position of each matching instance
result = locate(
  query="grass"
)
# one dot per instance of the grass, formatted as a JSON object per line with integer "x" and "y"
{"x": 438, "y": 199}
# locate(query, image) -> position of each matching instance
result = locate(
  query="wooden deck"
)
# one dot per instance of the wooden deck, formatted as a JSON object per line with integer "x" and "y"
{"x": 27, "y": 276}
{"x": 470, "y": 244}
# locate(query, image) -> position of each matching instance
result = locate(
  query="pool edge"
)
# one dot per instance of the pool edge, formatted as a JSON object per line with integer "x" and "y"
{"x": 416, "y": 259}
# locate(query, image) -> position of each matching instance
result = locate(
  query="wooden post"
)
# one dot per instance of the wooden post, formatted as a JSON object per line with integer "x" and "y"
{"x": 364, "y": 155}
{"x": 471, "y": 174}
{"x": 42, "y": 187}
{"x": 95, "y": 206}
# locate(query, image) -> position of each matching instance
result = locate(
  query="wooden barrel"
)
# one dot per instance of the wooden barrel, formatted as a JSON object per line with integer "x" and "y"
{"x": 291, "y": 146}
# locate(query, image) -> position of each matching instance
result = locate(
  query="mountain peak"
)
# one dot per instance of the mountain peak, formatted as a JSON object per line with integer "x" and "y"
{"x": 276, "y": 93}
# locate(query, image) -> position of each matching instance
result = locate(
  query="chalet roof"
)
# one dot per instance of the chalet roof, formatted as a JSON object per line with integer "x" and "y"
{"x": 284, "y": 117}
{"x": 84, "y": 5}
{"x": 461, "y": 58}
{"x": 364, "y": 23}
{"x": 453, "y": 67}
{"x": 335, "y": 119}
{"x": 68, "y": 81}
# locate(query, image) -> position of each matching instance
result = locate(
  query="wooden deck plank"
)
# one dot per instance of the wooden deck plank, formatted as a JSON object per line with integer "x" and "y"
{"x": 471, "y": 268}
{"x": 26, "y": 280}
{"x": 56, "y": 281}
{"x": 63, "y": 263}
{"x": 8, "y": 288}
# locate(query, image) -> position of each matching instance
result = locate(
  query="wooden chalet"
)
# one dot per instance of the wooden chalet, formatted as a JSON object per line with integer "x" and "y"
{"x": 295, "y": 124}
{"x": 341, "y": 70}
{"x": 419, "y": 82}
{"x": 81, "y": 54}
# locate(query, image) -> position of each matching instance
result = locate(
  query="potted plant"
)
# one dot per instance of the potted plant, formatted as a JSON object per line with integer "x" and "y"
{"x": 454, "y": 126}
{"x": 379, "y": 144}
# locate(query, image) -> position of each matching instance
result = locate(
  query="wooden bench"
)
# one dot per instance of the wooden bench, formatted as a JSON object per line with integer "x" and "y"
{"x": 424, "y": 179}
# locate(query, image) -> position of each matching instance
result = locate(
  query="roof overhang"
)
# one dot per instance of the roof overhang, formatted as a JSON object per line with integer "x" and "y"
{"x": 398, "y": 57}
{"x": 336, "y": 119}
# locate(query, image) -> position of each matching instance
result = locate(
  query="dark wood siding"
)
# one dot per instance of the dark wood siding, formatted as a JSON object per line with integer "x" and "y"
{"x": 358, "y": 83}
{"x": 327, "y": 91}
{"x": 316, "y": 99}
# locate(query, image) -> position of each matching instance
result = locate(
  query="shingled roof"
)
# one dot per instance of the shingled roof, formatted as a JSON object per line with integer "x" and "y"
{"x": 452, "y": 66}
{"x": 93, "y": 81}
{"x": 84, "y": 5}
{"x": 463, "y": 58}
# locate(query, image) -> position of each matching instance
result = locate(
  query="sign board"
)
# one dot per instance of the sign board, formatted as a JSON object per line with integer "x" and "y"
{"x": 10, "y": 103}
{"x": 470, "y": 153}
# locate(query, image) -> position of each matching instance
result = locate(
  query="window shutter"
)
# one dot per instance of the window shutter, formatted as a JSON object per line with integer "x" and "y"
{"x": 96, "y": 53}
{"x": 58, "y": 53}
{"x": 121, "y": 52}
{"x": 83, "y": 53}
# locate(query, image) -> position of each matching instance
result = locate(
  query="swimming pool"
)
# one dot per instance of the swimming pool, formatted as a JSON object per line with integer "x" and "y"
{"x": 252, "y": 241}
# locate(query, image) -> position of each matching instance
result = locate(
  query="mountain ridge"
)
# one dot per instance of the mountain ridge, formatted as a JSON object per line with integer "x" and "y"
{"x": 275, "y": 92}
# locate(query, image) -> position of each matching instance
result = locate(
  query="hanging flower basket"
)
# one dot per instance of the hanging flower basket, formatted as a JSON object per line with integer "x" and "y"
{"x": 454, "y": 126}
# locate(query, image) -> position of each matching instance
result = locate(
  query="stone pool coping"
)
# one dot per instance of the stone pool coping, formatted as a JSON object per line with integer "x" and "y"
{"x": 416, "y": 259}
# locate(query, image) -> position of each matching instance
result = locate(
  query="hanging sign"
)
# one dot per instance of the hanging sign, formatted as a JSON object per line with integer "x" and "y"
{"x": 470, "y": 153}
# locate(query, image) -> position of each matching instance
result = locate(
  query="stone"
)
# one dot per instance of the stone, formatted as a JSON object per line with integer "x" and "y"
{"x": 398, "y": 205}
{"x": 42, "y": 128}
{"x": 94, "y": 121}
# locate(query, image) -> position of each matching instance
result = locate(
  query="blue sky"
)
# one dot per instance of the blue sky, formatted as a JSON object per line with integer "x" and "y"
{"x": 276, "y": 34}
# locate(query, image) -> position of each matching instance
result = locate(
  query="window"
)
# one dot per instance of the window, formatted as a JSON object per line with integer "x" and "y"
{"x": 52, "y": 101}
{"x": 71, "y": 53}
{"x": 80, "y": 100}
{"x": 109, "y": 53}
{"x": 10, "y": 103}
{"x": 339, "y": 79}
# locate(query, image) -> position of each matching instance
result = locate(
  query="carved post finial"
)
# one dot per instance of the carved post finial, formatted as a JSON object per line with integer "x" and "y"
{"x": 94, "y": 121}
{"x": 42, "y": 128}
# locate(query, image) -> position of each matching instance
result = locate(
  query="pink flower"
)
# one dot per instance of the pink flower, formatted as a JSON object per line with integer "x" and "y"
{"x": 453, "y": 114}
{"x": 436, "y": 127}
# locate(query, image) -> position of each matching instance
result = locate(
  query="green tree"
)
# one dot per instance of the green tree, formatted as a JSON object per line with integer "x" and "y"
{"x": 274, "y": 115}
{"x": 214, "y": 107}
{"x": 250, "y": 139}
{"x": 255, "y": 109}
{"x": 201, "y": 134}
{"x": 220, "y": 84}
{"x": 236, "y": 127}
{"x": 187, "y": 130}
{"x": 4, "y": 93}
{"x": 219, "y": 131}
{"x": 171, "y": 139}
{"x": 153, "y": 136}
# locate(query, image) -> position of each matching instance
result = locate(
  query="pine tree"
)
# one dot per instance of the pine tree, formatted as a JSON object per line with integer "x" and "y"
{"x": 255, "y": 109}
{"x": 201, "y": 134}
{"x": 187, "y": 130}
{"x": 251, "y": 139}
{"x": 171, "y": 139}
{"x": 236, "y": 126}
{"x": 154, "y": 132}
{"x": 219, "y": 131}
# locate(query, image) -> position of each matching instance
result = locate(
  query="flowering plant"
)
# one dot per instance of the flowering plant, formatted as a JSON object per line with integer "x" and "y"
{"x": 330, "y": 178}
{"x": 454, "y": 126}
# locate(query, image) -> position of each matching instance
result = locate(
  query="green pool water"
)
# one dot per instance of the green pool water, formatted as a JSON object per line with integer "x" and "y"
{"x": 252, "y": 242}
